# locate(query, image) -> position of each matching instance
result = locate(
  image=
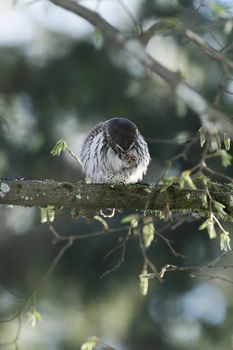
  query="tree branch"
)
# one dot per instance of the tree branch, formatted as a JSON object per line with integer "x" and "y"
{"x": 212, "y": 119}
{"x": 173, "y": 24}
{"x": 30, "y": 193}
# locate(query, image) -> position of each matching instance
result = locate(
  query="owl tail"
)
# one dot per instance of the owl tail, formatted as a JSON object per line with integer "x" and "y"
{"x": 107, "y": 212}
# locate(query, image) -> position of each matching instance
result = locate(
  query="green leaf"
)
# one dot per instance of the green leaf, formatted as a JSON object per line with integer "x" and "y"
{"x": 204, "y": 200}
{"x": 219, "y": 10}
{"x": 202, "y": 136}
{"x": 51, "y": 213}
{"x": 226, "y": 158}
{"x": 220, "y": 209}
{"x": 33, "y": 317}
{"x": 227, "y": 142}
{"x": 181, "y": 183}
{"x": 43, "y": 215}
{"x": 91, "y": 343}
{"x": 181, "y": 74}
{"x": 98, "y": 39}
{"x": 144, "y": 283}
{"x": 203, "y": 225}
{"x": 185, "y": 176}
{"x": 225, "y": 241}
{"x": 148, "y": 189}
{"x": 228, "y": 27}
{"x": 211, "y": 229}
{"x": 215, "y": 143}
{"x": 131, "y": 219}
{"x": 95, "y": 343}
{"x": 87, "y": 180}
{"x": 60, "y": 146}
{"x": 148, "y": 231}
{"x": 167, "y": 182}
{"x": 102, "y": 221}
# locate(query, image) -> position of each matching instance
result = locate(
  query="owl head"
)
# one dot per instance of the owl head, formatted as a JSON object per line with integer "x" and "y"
{"x": 121, "y": 132}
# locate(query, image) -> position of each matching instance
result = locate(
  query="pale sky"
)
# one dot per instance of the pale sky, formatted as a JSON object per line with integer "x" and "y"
{"x": 26, "y": 22}
{"x": 23, "y": 23}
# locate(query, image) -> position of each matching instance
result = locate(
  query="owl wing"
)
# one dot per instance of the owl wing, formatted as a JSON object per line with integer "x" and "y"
{"x": 92, "y": 155}
{"x": 143, "y": 153}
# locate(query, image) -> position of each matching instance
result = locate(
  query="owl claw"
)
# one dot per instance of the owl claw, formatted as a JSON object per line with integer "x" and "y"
{"x": 107, "y": 212}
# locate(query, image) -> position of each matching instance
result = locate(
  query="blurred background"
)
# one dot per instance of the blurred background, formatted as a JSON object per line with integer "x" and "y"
{"x": 58, "y": 78}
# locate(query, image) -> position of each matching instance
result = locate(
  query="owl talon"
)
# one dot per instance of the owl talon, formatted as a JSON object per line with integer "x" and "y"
{"x": 107, "y": 212}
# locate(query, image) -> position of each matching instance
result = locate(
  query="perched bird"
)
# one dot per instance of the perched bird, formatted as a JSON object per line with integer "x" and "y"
{"x": 114, "y": 152}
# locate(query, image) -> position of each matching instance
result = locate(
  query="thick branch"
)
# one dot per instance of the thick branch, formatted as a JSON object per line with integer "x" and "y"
{"x": 212, "y": 119}
{"x": 97, "y": 196}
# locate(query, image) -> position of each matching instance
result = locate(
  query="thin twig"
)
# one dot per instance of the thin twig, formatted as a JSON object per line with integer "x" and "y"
{"x": 58, "y": 237}
{"x": 74, "y": 156}
{"x": 169, "y": 244}
{"x": 122, "y": 258}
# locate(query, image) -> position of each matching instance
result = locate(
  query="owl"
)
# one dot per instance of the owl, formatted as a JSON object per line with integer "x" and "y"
{"x": 114, "y": 152}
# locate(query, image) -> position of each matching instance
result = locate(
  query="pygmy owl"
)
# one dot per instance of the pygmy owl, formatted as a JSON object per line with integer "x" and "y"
{"x": 114, "y": 152}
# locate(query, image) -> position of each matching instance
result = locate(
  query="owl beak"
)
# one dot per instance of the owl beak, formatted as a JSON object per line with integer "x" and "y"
{"x": 120, "y": 148}
{"x": 132, "y": 160}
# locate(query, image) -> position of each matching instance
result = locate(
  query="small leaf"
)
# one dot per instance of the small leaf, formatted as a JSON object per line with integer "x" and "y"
{"x": 95, "y": 343}
{"x": 219, "y": 208}
{"x": 60, "y": 146}
{"x": 98, "y": 39}
{"x": 167, "y": 182}
{"x": 51, "y": 213}
{"x": 148, "y": 231}
{"x": 187, "y": 179}
{"x": 181, "y": 183}
{"x": 147, "y": 189}
{"x": 225, "y": 241}
{"x": 87, "y": 180}
{"x": 91, "y": 343}
{"x": 219, "y": 10}
{"x": 203, "y": 225}
{"x": 143, "y": 283}
{"x": 202, "y": 136}
{"x": 131, "y": 219}
{"x": 102, "y": 221}
{"x": 226, "y": 158}
{"x": 215, "y": 143}
{"x": 181, "y": 74}
{"x": 211, "y": 229}
{"x": 162, "y": 215}
{"x": 43, "y": 215}
{"x": 204, "y": 200}
{"x": 228, "y": 27}
{"x": 33, "y": 317}
{"x": 227, "y": 142}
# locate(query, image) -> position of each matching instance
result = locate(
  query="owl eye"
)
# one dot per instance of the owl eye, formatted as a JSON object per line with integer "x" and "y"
{"x": 131, "y": 160}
